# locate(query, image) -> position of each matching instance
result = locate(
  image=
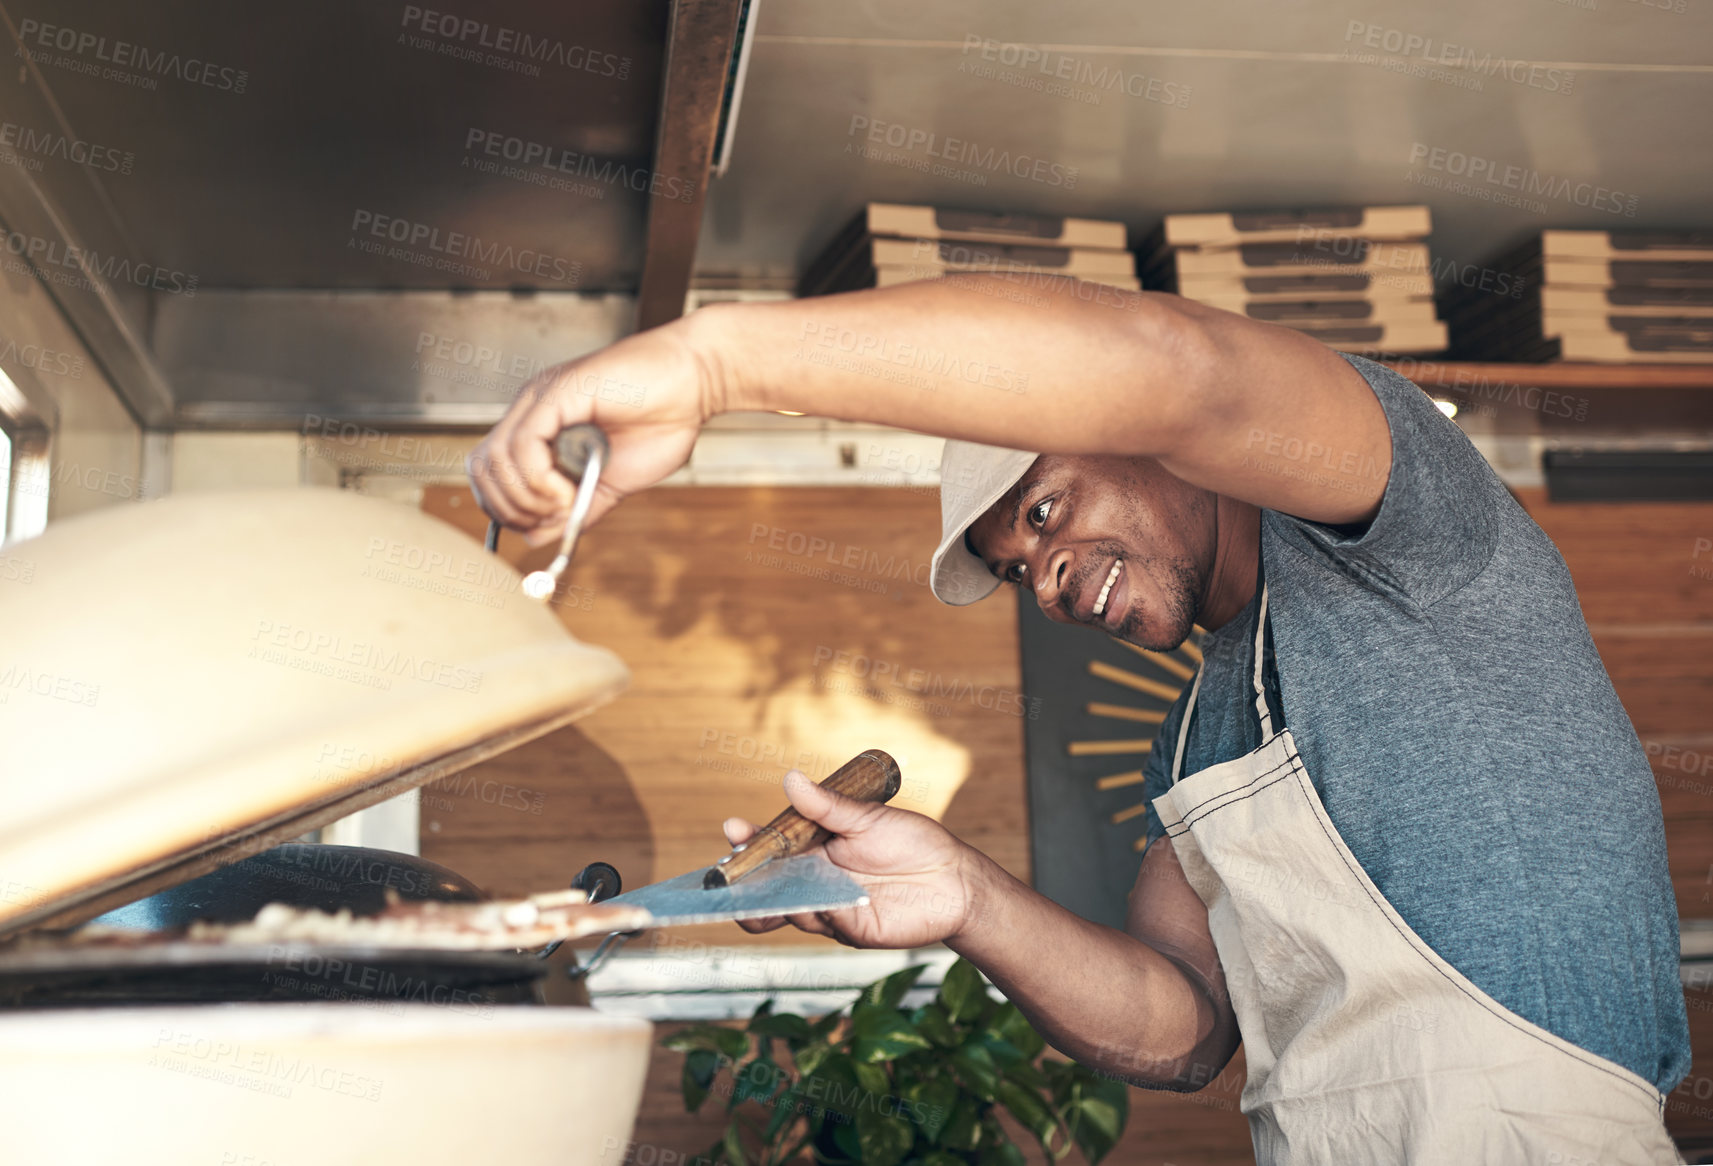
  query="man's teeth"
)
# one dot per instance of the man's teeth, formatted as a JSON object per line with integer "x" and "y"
{"x": 1111, "y": 578}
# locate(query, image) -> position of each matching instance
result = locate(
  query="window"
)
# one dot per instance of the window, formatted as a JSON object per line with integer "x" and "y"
{"x": 5, "y": 480}
{"x": 23, "y": 467}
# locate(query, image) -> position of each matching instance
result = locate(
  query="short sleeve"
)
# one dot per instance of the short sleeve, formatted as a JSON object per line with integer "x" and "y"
{"x": 1434, "y": 530}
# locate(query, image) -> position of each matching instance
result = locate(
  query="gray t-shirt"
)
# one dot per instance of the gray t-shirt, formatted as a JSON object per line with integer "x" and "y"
{"x": 1445, "y": 694}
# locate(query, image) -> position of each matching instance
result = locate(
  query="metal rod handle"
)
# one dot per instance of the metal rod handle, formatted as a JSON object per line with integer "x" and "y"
{"x": 582, "y": 455}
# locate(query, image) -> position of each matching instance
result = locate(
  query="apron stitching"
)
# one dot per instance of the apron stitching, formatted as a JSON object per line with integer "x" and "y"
{"x": 1211, "y": 810}
{"x": 1207, "y": 807}
{"x": 1412, "y": 939}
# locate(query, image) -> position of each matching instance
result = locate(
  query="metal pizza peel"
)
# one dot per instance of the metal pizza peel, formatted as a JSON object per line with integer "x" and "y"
{"x": 779, "y": 871}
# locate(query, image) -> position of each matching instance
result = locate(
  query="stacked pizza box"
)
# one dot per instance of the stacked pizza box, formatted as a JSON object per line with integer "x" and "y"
{"x": 1627, "y": 297}
{"x": 889, "y": 244}
{"x": 1356, "y": 278}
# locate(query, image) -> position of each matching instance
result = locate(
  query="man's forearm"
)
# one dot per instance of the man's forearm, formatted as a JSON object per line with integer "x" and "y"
{"x": 961, "y": 357}
{"x": 1097, "y": 994}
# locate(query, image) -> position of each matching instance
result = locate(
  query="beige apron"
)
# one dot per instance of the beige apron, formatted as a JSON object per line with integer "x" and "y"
{"x": 1364, "y": 1047}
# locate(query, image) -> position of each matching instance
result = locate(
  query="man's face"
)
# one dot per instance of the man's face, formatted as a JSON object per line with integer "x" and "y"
{"x": 1076, "y": 528}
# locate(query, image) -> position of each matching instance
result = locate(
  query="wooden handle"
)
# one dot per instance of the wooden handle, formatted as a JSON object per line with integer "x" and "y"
{"x": 870, "y": 776}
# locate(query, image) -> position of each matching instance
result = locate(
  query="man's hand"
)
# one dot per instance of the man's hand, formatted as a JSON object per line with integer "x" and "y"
{"x": 650, "y": 392}
{"x": 916, "y": 872}
{"x": 1148, "y": 1005}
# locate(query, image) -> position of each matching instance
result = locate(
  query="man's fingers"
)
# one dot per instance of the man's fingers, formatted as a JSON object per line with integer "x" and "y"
{"x": 760, "y": 926}
{"x": 529, "y": 448}
{"x": 837, "y": 928}
{"x": 546, "y": 532}
{"x": 737, "y": 830}
{"x": 489, "y": 494}
{"x": 813, "y": 923}
{"x": 822, "y": 806}
{"x": 499, "y": 486}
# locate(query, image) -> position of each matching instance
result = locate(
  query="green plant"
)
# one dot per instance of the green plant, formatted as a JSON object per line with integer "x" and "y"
{"x": 887, "y": 1086}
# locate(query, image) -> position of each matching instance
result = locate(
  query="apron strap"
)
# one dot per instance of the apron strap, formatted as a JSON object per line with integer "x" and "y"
{"x": 1261, "y": 710}
{"x": 1184, "y": 726}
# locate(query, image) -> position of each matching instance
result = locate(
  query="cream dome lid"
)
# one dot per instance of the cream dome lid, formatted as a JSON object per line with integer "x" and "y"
{"x": 187, "y": 681}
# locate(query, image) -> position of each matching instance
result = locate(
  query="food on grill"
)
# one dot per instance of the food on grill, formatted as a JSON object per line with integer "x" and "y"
{"x": 502, "y": 925}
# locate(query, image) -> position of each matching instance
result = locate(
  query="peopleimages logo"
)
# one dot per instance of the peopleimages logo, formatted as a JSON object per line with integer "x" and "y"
{"x": 42, "y": 359}
{"x": 1425, "y": 51}
{"x": 1061, "y": 75}
{"x": 465, "y": 38}
{"x": 929, "y": 143}
{"x": 76, "y": 264}
{"x": 52, "y": 144}
{"x": 1482, "y": 177}
{"x": 458, "y": 246}
{"x": 119, "y": 55}
{"x": 538, "y": 155}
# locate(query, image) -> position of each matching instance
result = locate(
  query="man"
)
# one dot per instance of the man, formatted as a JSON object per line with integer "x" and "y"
{"x": 1405, "y": 843}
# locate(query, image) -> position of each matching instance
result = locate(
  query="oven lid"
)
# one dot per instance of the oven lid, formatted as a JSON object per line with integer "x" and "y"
{"x": 187, "y": 682}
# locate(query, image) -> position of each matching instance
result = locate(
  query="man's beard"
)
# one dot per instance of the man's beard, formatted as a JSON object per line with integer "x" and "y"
{"x": 1179, "y": 594}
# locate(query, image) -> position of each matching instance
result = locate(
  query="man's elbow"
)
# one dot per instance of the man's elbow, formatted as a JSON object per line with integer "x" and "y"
{"x": 1182, "y": 1074}
{"x": 1175, "y": 1069}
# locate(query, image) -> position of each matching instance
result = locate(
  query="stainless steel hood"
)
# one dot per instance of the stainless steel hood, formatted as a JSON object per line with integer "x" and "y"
{"x": 254, "y": 215}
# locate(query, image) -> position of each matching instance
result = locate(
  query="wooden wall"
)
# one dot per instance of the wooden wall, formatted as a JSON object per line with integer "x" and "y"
{"x": 1648, "y": 600}
{"x": 732, "y": 607}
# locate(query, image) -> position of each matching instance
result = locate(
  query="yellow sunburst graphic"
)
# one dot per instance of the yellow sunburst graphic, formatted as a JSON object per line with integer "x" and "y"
{"x": 1156, "y": 698}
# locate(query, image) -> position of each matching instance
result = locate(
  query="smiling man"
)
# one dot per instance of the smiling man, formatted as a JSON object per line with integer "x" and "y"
{"x": 1404, "y": 843}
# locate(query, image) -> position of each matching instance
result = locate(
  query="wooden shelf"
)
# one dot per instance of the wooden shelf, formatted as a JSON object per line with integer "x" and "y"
{"x": 1452, "y": 373}
{"x": 1574, "y": 401}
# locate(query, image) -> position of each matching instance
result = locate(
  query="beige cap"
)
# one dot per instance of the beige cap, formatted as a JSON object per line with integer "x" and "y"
{"x": 972, "y": 478}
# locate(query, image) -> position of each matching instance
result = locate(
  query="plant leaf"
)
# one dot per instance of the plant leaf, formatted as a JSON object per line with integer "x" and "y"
{"x": 963, "y": 1128}
{"x": 700, "y": 1065}
{"x": 1028, "y": 1108}
{"x": 883, "y": 1034}
{"x": 962, "y": 992}
{"x": 826, "y": 1142}
{"x": 733, "y": 1042}
{"x": 1010, "y": 1025}
{"x": 889, "y": 991}
{"x": 734, "y": 1146}
{"x": 784, "y": 1110}
{"x": 835, "y": 1088}
{"x": 1000, "y": 1153}
{"x": 884, "y": 1139}
{"x": 810, "y": 1057}
{"x": 931, "y": 1102}
{"x": 1063, "y": 1075}
{"x": 872, "y": 1078}
{"x": 1002, "y": 1050}
{"x": 794, "y": 1030}
{"x": 938, "y": 1158}
{"x": 932, "y": 1022}
{"x": 822, "y": 1029}
{"x": 1099, "y": 1117}
{"x": 1031, "y": 1077}
{"x": 976, "y": 1070}
{"x": 845, "y": 1138}
{"x": 755, "y": 1080}
{"x": 697, "y": 1036}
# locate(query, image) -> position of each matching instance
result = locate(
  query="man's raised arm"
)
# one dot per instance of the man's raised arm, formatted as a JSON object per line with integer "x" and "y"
{"x": 1250, "y": 410}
